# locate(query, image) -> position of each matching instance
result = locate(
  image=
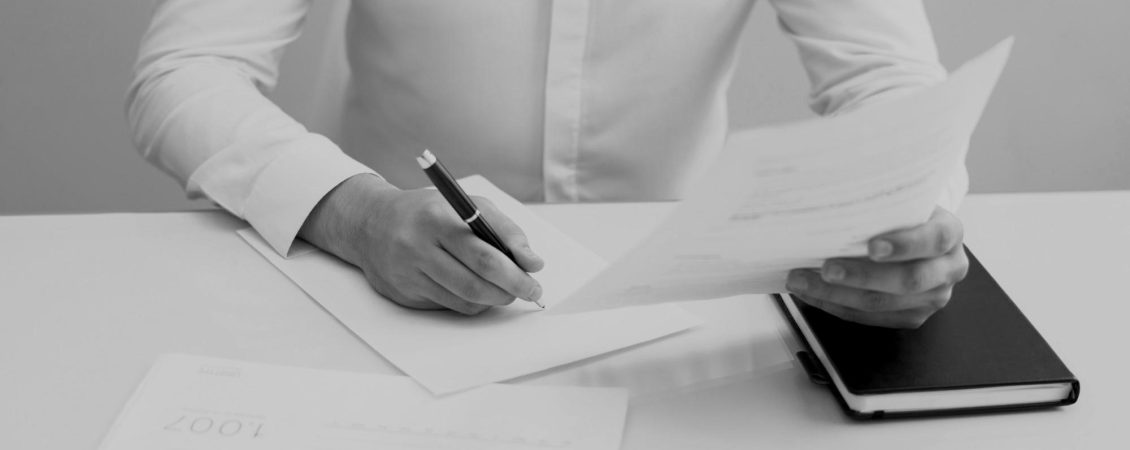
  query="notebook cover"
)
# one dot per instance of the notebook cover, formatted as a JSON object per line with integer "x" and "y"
{"x": 980, "y": 339}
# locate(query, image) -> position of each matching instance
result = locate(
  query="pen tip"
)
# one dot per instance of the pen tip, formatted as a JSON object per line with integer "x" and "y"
{"x": 540, "y": 305}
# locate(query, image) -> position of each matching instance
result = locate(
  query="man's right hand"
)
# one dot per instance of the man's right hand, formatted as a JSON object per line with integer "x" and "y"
{"x": 417, "y": 252}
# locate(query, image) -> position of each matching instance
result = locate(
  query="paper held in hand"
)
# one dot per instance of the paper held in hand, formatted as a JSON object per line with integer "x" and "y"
{"x": 791, "y": 196}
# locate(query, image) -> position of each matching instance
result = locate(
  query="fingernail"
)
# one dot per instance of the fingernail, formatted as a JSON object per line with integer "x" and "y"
{"x": 525, "y": 249}
{"x": 797, "y": 283}
{"x": 833, "y": 272}
{"x": 881, "y": 249}
{"x": 535, "y": 295}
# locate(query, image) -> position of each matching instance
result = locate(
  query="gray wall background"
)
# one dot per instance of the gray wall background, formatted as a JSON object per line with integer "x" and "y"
{"x": 1060, "y": 119}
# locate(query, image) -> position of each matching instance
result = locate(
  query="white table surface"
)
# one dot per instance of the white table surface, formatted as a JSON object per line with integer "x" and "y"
{"x": 88, "y": 302}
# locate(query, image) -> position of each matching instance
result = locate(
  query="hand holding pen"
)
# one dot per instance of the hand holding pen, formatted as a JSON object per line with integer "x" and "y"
{"x": 416, "y": 251}
{"x": 465, "y": 207}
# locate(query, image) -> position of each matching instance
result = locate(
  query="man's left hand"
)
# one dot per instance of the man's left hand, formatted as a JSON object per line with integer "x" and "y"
{"x": 907, "y": 276}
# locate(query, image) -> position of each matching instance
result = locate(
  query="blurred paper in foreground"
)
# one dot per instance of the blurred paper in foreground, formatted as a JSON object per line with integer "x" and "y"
{"x": 191, "y": 402}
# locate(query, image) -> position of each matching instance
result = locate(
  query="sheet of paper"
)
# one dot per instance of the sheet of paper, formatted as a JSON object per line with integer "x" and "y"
{"x": 447, "y": 352}
{"x": 792, "y": 196}
{"x": 198, "y": 403}
{"x": 741, "y": 337}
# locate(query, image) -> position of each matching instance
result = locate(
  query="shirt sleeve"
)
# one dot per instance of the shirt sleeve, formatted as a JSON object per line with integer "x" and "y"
{"x": 860, "y": 51}
{"x": 198, "y": 111}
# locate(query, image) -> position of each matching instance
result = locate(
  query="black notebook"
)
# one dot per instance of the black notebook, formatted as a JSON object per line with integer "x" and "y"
{"x": 977, "y": 354}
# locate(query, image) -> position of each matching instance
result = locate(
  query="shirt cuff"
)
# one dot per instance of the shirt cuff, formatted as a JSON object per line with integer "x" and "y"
{"x": 288, "y": 189}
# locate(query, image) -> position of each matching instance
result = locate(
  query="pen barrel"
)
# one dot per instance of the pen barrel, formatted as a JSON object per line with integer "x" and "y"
{"x": 447, "y": 186}
{"x": 484, "y": 231}
{"x": 465, "y": 207}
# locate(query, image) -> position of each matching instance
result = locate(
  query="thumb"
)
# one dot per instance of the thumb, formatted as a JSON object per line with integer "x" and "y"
{"x": 512, "y": 236}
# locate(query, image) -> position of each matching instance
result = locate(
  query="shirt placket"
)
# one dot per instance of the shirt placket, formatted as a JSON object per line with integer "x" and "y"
{"x": 568, "y": 37}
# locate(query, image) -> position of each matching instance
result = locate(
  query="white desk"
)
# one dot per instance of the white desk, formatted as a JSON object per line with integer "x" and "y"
{"x": 89, "y": 301}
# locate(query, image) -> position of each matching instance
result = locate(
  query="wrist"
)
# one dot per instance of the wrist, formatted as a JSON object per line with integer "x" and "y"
{"x": 337, "y": 221}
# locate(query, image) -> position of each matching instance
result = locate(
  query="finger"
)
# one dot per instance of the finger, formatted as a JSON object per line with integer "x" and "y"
{"x": 398, "y": 296}
{"x": 439, "y": 295}
{"x": 809, "y": 284}
{"x": 443, "y": 268}
{"x": 488, "y": 263}
{"x": 940, "y": 234}
{"x": 512, "y": 236}
{"x": 910, "y": 277}
{"x": 904, "y": 319}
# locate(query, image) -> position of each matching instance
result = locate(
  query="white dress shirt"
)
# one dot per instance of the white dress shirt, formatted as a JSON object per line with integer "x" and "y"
{"x": 553, "y": 100}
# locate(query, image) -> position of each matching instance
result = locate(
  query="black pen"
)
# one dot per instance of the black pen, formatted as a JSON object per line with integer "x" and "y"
{"x": 463, "y": 205}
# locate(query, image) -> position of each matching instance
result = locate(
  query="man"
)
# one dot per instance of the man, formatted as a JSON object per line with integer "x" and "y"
{"x": 557, "y": 101}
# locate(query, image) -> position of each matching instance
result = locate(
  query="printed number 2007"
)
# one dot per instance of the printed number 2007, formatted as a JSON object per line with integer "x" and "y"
{"x": 208, "y": 425}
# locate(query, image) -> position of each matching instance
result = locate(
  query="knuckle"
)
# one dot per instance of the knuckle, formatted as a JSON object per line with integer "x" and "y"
{"x": 946, "y": 239}
{"x": 402, "y": 244}
{"x": 903, "y": 241}
{"x": 874, "y": 301}
{"x": 470, "y": 290}
{"x": 484, "y": 261}
{"x": 434, "y": 210}
{"x": 817, "y": 288}
{"x": 915, "y": 280}
{"x": 854, "y": 274}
